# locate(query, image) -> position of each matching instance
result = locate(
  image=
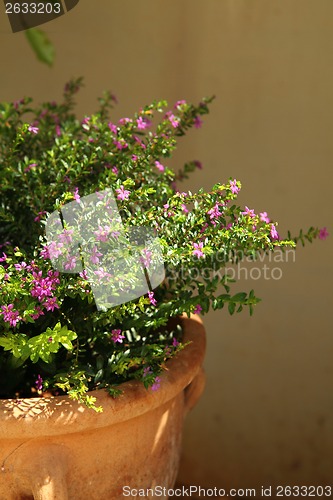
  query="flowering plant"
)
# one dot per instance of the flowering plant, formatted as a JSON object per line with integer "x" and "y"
{"x": 54, "y": 334}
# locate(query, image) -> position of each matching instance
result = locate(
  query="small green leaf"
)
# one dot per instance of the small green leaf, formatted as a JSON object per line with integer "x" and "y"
{"x": 231, "y": 307}
{"x": 41, "y": 45}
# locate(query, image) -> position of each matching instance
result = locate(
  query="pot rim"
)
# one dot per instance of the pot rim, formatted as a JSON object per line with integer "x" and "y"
{"x": 48, "y": 416}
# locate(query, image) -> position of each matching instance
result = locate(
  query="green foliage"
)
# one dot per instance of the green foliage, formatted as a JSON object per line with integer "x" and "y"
{"x": 50, "y": 328}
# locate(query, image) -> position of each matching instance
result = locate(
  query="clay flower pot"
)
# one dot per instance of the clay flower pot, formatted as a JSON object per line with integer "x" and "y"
{"x": 56, "y": 449}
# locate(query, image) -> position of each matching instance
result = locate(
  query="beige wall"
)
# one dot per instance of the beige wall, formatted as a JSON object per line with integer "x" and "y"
{"x": 267, "y": 413}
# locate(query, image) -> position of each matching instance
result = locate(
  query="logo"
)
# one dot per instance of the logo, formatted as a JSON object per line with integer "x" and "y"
{"x": 25, "y": 14}
{"x": 88, "y": 237}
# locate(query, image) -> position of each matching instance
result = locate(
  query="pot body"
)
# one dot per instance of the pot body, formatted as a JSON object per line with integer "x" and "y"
{"x": 56, "y": 449}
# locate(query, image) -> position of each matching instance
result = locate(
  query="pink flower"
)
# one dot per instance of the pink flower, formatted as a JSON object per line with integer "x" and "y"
{"x": 103, "y": 233}
{"x": 143, "y": 123}
{"x": 115, "y": 170}
{"x": 179, "y": 103}
{"x": 173, "y": 120}
{"x": 274, "y": 233}
{"x": 139, "y": 141}
{"x": 113, "y": 127}
{"x": 197, "y": 250}
{"x": 264, "y": 217}
{"x": 95, "y": 254}
{"x": 116, "y": 336}
{"x": 197, "y": 122}
{"x": 175, "y": 342}
{"x": 184, "y": 208}
{"x": 214, "y": 213}
{"x": 248, "y": 212}
{"x": 122, "y": 194}
{"x": 151, "y": 298}
{"x": 198, "y": 164}
{"x": 33, "y": 130}
{"x": 122, "y": 144}
{"x": 30, "y": 167}
{"x": 233, "y": 187}
{"x": 323, "y": 233}
{"x": 122, "y": 121}
{"x": 76, "y": 195}
{"x": 197, "y": 309}
{"x": 39, "y": 216}
{"x": 85, "y": 122}
{"x": 44, "y": 253}
{"x": 51, "y": 304}
{"x": 10, "y": 315}
{"x": 159, "y": 166}
{"x": 71, "y": 263}
{"x": 3, "y": 258}
{"x": 145, "y": 258}
{"x": 58, "y": 130}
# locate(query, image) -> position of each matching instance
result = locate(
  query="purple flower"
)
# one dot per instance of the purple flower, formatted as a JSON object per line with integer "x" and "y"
{"x": 122, "y": 194}
{"x": 197, "y": 122}
{"x": 39, "y": 383}
{"x": 323, "y": 233}
{"x": 151, "y": 298}
{"x": 184, "y": 208}
{"x": 33, "y": 130}
{"x": 197, "y": 250}
{"x": 274, "y": 233}
{"x": 264, "y": 217}
{"x": 147, "y": 371}
{"x": 116, "y": 336}
{"x": 233, "y": 187}
{"x": 175, "y": 342}
{"x": 197, "y": 309}
{"x": 115, "y": 170}
{"x": 156, "y": 385}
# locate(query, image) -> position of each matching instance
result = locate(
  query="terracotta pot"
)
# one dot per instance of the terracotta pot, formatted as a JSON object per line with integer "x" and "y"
{"x": 56, "y": 449}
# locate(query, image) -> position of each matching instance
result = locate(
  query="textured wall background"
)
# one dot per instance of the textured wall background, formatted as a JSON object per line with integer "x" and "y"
{"x": 267, "y": 413}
